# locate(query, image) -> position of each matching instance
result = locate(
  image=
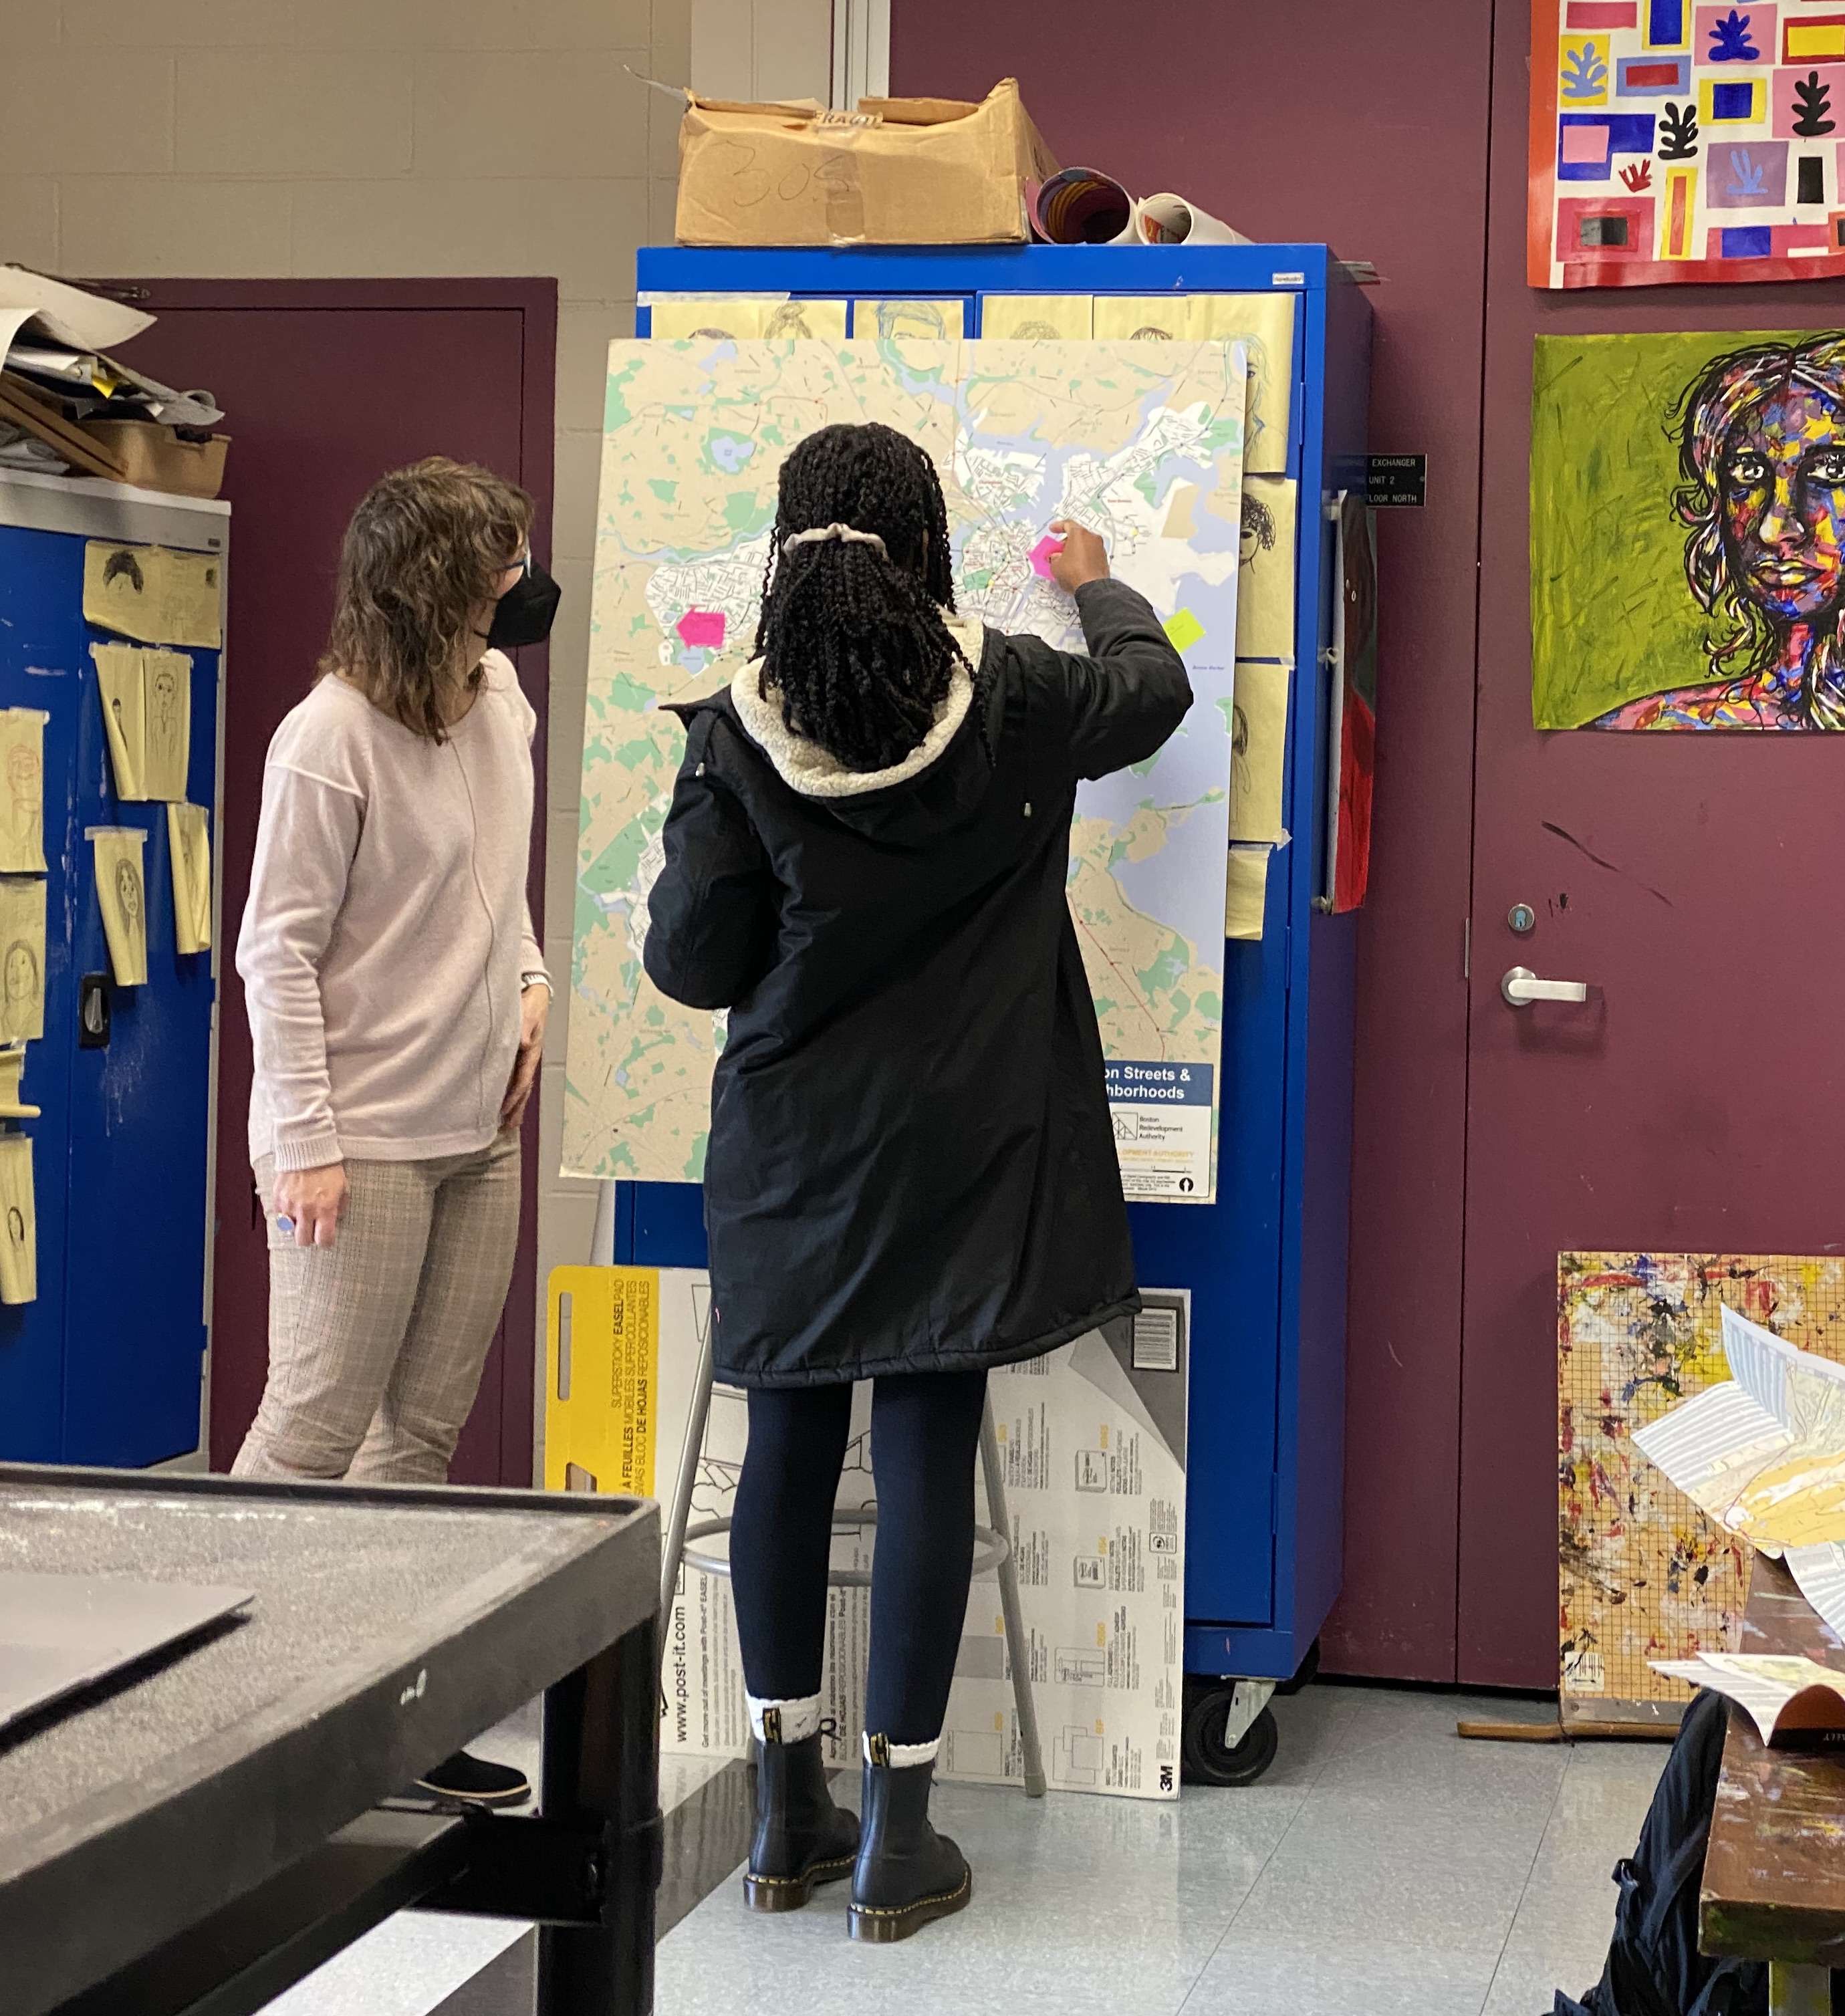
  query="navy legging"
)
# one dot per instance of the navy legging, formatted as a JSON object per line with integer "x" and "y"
{"x": 924, "y": 1430}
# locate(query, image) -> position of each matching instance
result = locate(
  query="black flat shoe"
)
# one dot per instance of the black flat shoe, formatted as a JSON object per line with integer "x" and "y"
{"x": 801, "y": 1837}
{"x": 462, "y": 1776}
{"x": 907, "y": 1874}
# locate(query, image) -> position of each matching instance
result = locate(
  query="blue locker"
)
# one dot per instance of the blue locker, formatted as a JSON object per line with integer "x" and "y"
{"x": 108, "y": 1365}
{"x": 1266, "y": 1263}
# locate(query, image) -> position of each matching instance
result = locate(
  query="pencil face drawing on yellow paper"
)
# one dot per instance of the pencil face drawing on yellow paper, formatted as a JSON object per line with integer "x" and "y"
{"x": 166, "y": 723}
{"x": 120, "y": 687}
{"x": 22, "y": 810}
{"x": 153, "y": 593}
{"x": 19, "y": 1222}
{"x": 121, "y": 896}
{"x": 22, "y": 958}
{"x": 189, "y": 843}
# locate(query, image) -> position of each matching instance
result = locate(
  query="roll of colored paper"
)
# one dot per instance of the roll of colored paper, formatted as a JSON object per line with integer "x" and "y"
{"x": 1167, "y": 219}
{"x": 1083, "y": 207}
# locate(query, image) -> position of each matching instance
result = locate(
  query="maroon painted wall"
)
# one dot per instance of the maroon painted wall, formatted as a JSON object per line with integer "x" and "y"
{"x": 1365, "y": 125}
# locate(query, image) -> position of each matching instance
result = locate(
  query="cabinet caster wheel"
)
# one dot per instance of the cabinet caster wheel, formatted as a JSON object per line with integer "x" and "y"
{"x": 1208, "y": 1758}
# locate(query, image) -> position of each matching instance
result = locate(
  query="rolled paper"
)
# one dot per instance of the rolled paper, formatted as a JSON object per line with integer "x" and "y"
{"x": 1084, "y": 206}
{"x": 1167, "y": 219}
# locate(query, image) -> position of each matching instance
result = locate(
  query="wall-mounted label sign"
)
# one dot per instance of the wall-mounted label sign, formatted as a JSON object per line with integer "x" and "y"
{"x": 1396, "y": 479}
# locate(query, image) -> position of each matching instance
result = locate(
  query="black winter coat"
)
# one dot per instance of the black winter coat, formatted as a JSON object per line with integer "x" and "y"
{"x": 911, "y": 1166}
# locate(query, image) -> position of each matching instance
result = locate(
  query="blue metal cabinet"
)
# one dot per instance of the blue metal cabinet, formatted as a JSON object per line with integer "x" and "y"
{"x": 1266, "y": 1264}
{"x": 108, "y": 1365}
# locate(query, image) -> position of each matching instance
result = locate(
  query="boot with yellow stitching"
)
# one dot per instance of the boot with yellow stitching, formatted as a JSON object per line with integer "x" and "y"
{"x": 907, "y": 1874}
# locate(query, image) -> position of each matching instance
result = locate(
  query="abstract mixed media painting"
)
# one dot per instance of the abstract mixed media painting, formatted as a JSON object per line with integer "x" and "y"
{"x": 1673, "y": 142}
{"x": 1642, "y": 1573}
{"x": 1687, "y": 530}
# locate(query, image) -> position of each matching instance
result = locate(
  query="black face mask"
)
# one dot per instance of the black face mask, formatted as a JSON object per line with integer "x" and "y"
{"x": 525, "y": 613}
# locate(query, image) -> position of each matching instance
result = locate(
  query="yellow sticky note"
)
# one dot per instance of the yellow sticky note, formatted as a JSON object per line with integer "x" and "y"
{"x": 153, "y": 593}
{"x": 1038, "y": 318}
{"x": 188, "y": 847}
{"x": 22, "y": 808}
{"x": 1183, "y": 629}
{"x": 1245, "y": 892}
{"x": 1258, "y": 747}
{"x": 19, "y": 1222}
{"x": 907, "y": 321}
{"x": 121, "y": 894}
{"x": 1268, "y": 510}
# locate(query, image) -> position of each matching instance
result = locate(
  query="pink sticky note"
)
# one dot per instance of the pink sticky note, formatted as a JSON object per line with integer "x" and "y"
{"x": 702, "y": 627}
{"x": 1043, "y": 552}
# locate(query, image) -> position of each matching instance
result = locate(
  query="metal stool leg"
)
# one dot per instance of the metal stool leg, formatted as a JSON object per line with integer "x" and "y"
{"x": 674, "y": 1541}
{"x": 1018, "y": 1645}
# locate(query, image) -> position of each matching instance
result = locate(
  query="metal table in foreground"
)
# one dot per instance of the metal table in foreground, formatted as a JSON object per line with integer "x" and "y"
{"x": 198, "y": 1837}
{"x": 1773, "y": 1885}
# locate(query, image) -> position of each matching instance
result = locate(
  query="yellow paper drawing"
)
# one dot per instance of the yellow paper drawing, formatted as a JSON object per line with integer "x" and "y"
{"x": 166, "y": 723}
{"x": 153, "y": 593}
{"x": 12, "y": 1069}
{"x": 1139, "y": 318}
{"x": 189, "y": 843}
{"x": 121, "y": 685}
{"x": 1265, "y": 324}
{"x": 22, "y": 958}
{"x": 22, "y": 810}
{"x": 1258, "y": 746}
{"x": 1265, "y": 573}
{"x": 1038, "y": 318}
{"x": 918, "y": 320}
{"x": 745, "y": 315}
{"x": 1245, "y": 892}
{"x": 122, "y": 893}
{"x": 19, "y": 1228}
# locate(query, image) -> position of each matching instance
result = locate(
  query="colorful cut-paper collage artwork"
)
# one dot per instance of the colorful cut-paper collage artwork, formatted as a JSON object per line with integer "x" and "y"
{"x": 1643, "y": 1574}
{"x": 1143, "y": 442}
{"x": 1673, "y": 141}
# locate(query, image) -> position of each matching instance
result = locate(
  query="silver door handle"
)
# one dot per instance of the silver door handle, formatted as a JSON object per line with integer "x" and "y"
{"x": 1521, "y": 986}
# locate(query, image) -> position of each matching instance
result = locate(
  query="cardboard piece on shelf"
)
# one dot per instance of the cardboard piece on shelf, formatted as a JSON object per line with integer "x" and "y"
{"x": 153, "y": 457}
{"x": 897, "y": 171}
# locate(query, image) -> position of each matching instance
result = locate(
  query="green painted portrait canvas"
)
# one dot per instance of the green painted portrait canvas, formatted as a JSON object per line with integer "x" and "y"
{"x": 1687, "y": 530}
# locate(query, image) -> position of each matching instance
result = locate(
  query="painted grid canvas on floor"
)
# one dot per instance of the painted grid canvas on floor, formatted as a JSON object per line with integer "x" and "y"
{"x": 1673, "y": 141}
{"x": 1687, "y": 530}
{"x": 1643, "y": 1574}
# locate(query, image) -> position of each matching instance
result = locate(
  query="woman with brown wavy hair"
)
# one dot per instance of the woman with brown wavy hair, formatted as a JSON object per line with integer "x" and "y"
{"x": 397, "y": 996}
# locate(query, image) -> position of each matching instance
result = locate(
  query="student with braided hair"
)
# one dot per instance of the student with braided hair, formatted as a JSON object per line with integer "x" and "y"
{"x": 911, "y": 1173}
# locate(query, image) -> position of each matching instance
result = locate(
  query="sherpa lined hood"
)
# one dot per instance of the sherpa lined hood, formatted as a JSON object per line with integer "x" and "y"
{"x": 874, "y": 801}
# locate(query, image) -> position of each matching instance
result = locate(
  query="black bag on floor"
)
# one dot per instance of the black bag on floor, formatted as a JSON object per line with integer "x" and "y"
{"x": 1654, "y": 1967}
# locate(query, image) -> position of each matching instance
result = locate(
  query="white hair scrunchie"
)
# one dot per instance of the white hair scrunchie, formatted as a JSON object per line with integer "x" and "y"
{"x": 819, "y": 535}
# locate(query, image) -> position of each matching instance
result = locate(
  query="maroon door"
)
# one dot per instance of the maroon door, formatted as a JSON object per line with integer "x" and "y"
{"x": 1697, "y": 1104}
{"x": 326, "y": 384}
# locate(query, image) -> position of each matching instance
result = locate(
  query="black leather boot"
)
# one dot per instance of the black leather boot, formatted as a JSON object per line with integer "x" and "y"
{"x": 907, "y": 1872}
{"x": 801, "y": 1837}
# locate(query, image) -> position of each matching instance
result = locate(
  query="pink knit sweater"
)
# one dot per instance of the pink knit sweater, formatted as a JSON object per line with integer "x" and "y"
{"x": 387, "y": 928}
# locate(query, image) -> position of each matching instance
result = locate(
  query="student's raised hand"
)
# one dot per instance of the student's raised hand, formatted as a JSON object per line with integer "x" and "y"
{"x": 1084, "y": 558}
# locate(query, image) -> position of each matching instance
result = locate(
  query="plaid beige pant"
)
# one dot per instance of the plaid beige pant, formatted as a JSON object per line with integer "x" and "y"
{"x": 376, "y": 1342}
